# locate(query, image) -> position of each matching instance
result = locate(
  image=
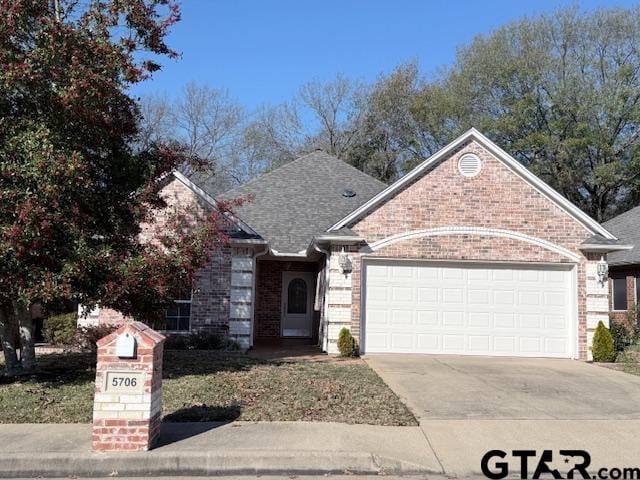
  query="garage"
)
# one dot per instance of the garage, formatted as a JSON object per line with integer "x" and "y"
{"x": 469, "y": 309}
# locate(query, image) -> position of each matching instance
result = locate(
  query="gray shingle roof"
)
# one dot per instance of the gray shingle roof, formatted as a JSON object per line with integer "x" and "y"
{"x": 627, "y": 228}
{"x": 294, "y": 203}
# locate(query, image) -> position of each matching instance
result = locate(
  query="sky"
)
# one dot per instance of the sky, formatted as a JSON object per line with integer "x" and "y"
{"x": 262, "y": 51}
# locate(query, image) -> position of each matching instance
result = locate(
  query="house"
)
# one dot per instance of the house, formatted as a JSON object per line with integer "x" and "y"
{"x": 624, "y": 266}
{"x": 469, "y": 253}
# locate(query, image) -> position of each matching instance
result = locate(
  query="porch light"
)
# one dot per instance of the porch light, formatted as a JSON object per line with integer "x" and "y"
{"x": 603, "y": 270}
{"x": 344, "y": 262}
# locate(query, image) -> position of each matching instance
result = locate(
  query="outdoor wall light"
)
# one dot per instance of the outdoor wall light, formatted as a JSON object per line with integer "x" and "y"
{"x": 603, "y": 271}
{"x": 344, "y": 262}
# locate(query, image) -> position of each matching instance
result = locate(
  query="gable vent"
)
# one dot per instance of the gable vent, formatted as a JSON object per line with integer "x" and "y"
{"x": 469, "y": 165}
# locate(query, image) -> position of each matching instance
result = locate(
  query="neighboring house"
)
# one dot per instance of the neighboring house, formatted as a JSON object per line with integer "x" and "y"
{"x": 469, "y": 253}
{"x": 624, "y": 266}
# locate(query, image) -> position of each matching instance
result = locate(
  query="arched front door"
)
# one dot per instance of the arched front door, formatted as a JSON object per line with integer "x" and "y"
{"x": 297, "y": 304}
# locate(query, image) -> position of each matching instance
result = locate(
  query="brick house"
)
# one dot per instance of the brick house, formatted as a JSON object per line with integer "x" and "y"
{"x": 469, "y": 253}
{"x": 624, "y": 266}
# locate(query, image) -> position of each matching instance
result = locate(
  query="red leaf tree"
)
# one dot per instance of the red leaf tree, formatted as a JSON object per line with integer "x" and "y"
{"x": 74, "y": 187}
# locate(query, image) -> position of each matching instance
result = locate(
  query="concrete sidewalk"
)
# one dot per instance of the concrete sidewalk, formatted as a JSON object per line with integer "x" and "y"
{"x": 239, "y": 448}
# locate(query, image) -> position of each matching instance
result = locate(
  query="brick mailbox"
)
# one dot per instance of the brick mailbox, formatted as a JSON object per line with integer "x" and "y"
{"x": 128, "y": 399}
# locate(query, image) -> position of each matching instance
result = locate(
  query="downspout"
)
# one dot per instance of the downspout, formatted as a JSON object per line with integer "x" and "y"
{"x": 253, "y": 292}
{"x": 325, "y": 339}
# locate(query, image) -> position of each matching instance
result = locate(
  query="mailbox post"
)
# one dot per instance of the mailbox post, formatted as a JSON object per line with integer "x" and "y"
{"x": 128, "y": 399}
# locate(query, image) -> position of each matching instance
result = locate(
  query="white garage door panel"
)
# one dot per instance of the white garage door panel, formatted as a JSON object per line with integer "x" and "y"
{"x": 471, "y": 309}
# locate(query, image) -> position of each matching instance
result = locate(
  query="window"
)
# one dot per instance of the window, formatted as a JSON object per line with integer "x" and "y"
{"x": 619, "y": 286}
{"x": 637, "y": 279}
{"x": 178, "y": 316}
{"x": 297, "y": 296}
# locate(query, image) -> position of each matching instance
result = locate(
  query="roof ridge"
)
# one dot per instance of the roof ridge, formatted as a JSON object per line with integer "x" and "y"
{"x": 300, "y": 158}
{"x": 264, "y": 175}
{"x": 356, "y": 169}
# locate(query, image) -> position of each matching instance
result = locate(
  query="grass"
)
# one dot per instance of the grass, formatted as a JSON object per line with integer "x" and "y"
{"x": 627, "y": 361}
{"x": 212, "y": 386}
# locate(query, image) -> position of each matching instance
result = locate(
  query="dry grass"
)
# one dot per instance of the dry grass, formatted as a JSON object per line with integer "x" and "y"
{"x": 213, "y": 386}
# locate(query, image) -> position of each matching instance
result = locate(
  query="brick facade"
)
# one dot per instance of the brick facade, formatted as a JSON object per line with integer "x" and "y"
{"x": 495, "y": 199}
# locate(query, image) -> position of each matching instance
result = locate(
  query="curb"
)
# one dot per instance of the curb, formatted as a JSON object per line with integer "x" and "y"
{"x": 185, "y": 463}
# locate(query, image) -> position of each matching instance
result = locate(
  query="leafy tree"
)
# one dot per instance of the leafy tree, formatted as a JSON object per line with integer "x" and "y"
{"x": 388, "y": 135}
{"x": 561, "y": 92}
{"x": 74, "y": 191}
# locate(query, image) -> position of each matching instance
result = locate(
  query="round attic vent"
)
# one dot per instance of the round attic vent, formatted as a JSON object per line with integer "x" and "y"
{"x": 348, "y": 193}
{"x": 469, "y": 165}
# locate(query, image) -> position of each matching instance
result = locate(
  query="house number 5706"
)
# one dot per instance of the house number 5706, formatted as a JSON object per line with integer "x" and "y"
{"x": 124, "y": 382}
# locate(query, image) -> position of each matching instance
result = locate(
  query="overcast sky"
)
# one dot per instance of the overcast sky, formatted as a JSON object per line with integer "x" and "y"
{"x": 263, "y": 50}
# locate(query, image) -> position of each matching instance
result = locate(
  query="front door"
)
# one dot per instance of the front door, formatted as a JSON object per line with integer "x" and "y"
{"x": 297, "y": 304}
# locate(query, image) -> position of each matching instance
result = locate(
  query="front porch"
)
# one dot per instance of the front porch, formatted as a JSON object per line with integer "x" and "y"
{"x": 286, "y": 315}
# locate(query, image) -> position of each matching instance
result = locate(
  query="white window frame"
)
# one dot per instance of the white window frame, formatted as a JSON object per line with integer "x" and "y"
{"x": 188, "y": 330}
{"x": 613, "y": 295}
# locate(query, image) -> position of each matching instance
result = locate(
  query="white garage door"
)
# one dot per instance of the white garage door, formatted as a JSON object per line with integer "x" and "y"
{"x": 468, "y": 309}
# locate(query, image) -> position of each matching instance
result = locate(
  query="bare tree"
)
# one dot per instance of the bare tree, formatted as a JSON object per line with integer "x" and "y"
{"x": 336, "y": 108}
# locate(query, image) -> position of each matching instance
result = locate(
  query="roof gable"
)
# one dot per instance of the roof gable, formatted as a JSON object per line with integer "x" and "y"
{"x": 515, "y": 166}
{"x": 289, "y": 206}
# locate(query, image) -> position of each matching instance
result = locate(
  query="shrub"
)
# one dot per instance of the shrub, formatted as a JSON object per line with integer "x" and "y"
{"x": 199, "y": 341}
{"x": 60, "y": 329}
{"x": 622, "y": 338}
{"x": 603, "y": 347}
{"x": 347, "y": 345}
{"x": 86, "y": 338}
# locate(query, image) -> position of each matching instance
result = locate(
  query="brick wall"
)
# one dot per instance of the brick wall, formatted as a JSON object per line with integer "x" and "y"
{"x": 210, "y": 307}
{"x": 494, "y": 199}
{"x": 269, "y": 294}
{"x": 129, "y": 419}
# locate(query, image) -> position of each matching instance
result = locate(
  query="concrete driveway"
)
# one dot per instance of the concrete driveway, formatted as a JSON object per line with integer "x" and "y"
{"x": 469, "y": 405}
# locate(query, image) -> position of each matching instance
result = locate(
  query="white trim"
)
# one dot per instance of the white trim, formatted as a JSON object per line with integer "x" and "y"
{"x": 604, "y": 248}
{"x": 211, "y": 201}
{"x": 507, "y": 159}
{"x": 339, "y": 238}
{"x": 626, "y": 294}
{"x": 455, "y": 230}
{"x": 276, "y": 253}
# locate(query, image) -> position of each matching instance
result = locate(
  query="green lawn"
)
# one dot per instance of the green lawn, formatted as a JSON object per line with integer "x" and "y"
{"x": 208, "y": 385}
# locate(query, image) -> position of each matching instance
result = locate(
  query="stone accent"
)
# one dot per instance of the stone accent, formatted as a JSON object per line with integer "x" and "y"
{"x": 241, "y": 296}
{"x": 340, "y": 298}
{"x": 128, "y": 419}
{"x": 597, "y": 303}
{"x": 496, "y": 198}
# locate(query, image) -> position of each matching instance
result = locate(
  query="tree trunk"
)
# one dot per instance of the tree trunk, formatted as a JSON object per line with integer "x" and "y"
{"x": 8, "y": 335}
{"x": 28, "y": 348}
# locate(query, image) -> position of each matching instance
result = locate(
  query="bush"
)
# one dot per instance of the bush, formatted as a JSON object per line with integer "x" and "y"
{"x": 347, "y": 345}
{"x": 603, "y": 347}
{"x": 86, "y": 338}
{"x": 199, "y": 341}
{"x": 60, "y": 329}
{"x": 622, "y": 338}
